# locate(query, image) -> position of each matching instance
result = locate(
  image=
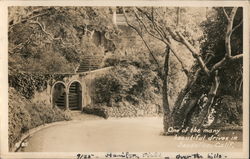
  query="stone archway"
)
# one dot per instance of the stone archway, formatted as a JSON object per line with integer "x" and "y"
{"x": 75, "y": 95}
{"x": 59, "y": 95}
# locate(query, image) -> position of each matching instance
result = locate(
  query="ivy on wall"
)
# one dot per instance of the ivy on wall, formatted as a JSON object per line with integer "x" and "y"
{"x": 28, "y": 83}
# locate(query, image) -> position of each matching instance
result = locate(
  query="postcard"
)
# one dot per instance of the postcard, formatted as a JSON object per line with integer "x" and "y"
{"x": 124, "y": 79}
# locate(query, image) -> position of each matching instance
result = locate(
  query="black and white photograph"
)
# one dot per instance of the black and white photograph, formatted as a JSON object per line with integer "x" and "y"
{"x": 125, "y": 80}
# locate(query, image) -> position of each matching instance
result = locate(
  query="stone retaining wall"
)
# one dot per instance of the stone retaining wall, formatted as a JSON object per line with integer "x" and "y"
{"x": 127, "y": 110}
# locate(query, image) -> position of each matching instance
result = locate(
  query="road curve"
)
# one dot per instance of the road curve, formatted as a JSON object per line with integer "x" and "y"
{"x": 115, "y": 135}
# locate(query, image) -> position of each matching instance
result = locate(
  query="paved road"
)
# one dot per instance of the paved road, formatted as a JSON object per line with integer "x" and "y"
{"x": 112, "y": 135}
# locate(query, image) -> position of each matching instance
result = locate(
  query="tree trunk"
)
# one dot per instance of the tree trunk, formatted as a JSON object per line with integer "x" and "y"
{"x": 189, "y": 98}
{"x": 185, "y": 100}
{"x": 211, "y": 95}
{"x": 167, "y": 120}
{"x": 188, "y": 102}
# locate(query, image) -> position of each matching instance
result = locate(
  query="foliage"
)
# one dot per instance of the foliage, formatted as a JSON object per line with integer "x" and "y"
{"x": 134, "y": 60}
{"x": 46, "y": 63}
{"x": 126, "y": 83}
{"x": 57, "y": 39}
{"x": 137, "y": 58}
{"x": 167, "y": 17}
{"x": 25, "y": 115}
{"x": 89, "y": 48}
{"x": 136, "y": 77}
{"x": 27, "y": 83}
{"x": 214, "y": 45}
{"x": 229, "y": 111}
{"x": 225, "y": 111}
{"x": 214, "y": 28}
{"x": 148, "y": 19}
{"x": 42, "y": 114}
{"x": 19, "y": 119}
{"x": 99, "y": 111}
{"x": 173, "y": 24}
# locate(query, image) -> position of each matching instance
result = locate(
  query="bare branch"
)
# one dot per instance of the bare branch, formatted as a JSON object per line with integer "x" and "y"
{"x": 150, "y": 33}
{"x": 228, "y": 54}
{"x": 240, "y": 85}
{"x": 238, "y": 82}
{"x": 208, "y": 57}
{"x": 21, "y": 45}
{"x": 140, "y": 34}
{"x": 179, "y": 60}
{"x": 224, "y": 60}
{"x": 215, "y": 84}
{"x": 156, "y": 26}
{"x": 236, "y": 57}
{"x": 173, "y": 35}
{"x": 42, "y": 28}
{"x": 51, "y": 36}
{"x": 151, "y": 19}
{"x": 229, "y": 32}
{"x": 233, "y": 13}
{"x": 27, "y": 18}
{"x": 194, "y": 53}
{"x": 163, "y": 38}
{"x": 241, "y": 22}
{"x": 225, "y": 13}
{"x": 218, "y": 65}
{"x": 159, "y": 38}
{"x": 145, "y": 13}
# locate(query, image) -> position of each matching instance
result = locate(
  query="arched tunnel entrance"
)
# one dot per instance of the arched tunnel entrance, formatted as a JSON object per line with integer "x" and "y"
{"x": 75, "y": 96}
{"x": 59, "y": 95}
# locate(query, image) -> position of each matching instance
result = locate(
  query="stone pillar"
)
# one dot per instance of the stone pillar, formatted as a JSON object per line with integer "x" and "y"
{"x": 67, "y": 100}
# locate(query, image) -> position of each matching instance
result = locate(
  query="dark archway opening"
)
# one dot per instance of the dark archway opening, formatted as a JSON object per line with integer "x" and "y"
{"x": 75, "y": 96}
{"x": 59, "y": 95}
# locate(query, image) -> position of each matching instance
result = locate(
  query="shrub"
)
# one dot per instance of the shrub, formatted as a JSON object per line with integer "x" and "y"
{"x": 61, "y": 115}
{"x": 45, "y": 61}
{"x": 96, "y": 111}
{"x": 225, "y": 111}
{"x": 106, "y": 89}
{"x": 42, "y": 114}
{"x": 89, "y": 48}
{"x": 19, "y": 117}
{"x": 137, "y": 61}
{"x": 129, "y": 83}
{"x": 24, "y": 115}
{"x": 228, "y": 111}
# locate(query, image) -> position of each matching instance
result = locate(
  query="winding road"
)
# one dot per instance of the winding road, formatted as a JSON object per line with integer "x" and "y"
{"x": 94, "y": 134}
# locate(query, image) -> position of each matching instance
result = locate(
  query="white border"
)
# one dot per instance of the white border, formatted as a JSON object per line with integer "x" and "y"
{"x": 186, "y": 3}
{"x": 4, "y": 65}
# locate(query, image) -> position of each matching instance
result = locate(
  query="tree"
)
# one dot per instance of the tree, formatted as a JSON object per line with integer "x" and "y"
{"x": 204, "y": 77}
{"x": 61, "y": 34}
